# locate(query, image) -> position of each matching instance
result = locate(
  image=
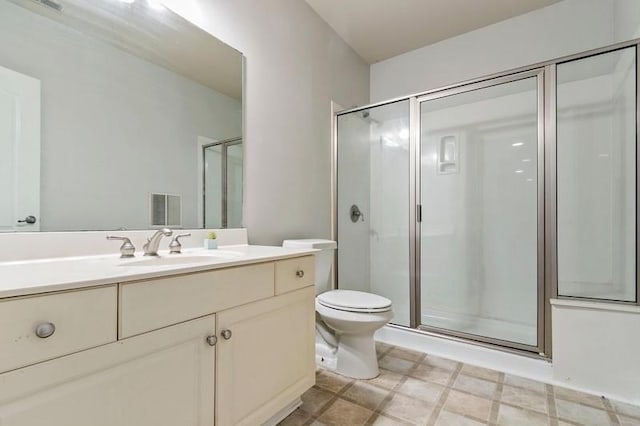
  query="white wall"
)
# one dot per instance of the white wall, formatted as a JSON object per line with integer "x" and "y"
{"x": 626, "y": 15}
{"x": 296, "y": 64}
{"x": 564, "y": 28}
{"x": 114, "y": 127}
{"x": 596, "y": 347}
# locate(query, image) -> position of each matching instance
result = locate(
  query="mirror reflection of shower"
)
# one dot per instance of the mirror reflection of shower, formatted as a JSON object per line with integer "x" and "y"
{"x": 222, "y": 183}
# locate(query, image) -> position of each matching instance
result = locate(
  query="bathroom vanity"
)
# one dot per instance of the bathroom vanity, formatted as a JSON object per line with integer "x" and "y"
{"x": 213, "y": 337}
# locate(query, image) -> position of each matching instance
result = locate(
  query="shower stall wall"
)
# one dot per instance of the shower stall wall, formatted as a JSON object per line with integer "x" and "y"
{"x": 472, "y": 205}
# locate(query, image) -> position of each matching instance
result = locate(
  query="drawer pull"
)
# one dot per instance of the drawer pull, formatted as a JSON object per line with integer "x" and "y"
{"x": 44, "y": 330}
{"x": 226, "y": 334}
{"x": 300, "y": 273}
{"x": 212, "y": 340}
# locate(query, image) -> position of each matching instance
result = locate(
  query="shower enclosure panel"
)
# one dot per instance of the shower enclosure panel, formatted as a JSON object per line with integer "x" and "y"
{"x": 480, "y": 151}
{"x": 596, "y": 176}
{"x": 373, "y": 179}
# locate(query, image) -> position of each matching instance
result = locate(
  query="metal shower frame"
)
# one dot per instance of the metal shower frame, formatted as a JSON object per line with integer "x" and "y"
{"x": 545, "y": 73}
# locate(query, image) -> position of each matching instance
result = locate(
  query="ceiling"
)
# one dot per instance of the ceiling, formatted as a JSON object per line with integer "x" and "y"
{"x": 380, "y": 29}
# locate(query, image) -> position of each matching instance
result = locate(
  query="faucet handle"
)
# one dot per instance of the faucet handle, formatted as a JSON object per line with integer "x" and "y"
{"x": 174, "y": 246}
{"x": 126, "y": 249}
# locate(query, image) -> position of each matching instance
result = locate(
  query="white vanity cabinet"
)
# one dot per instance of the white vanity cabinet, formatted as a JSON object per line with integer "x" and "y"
{"x": 76, "y": 320}
{"x": 265, "y": 357}
{"x": 225, "y": 346}
{"x": 164, "y": 378}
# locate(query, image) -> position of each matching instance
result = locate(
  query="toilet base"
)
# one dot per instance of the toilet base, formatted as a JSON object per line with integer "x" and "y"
{"x": 356, "y": 356}
{"x": 325, "y": 353}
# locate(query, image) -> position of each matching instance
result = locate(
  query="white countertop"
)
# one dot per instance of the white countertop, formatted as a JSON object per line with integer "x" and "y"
{"x": 19, "y": 278}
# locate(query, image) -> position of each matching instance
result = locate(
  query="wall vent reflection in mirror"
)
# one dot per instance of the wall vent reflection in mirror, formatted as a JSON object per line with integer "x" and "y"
{"x": 165, "y": 210}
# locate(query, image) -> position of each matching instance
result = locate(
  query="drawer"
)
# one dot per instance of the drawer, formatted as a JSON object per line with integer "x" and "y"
{"x": 294, "y": 274}
{"x": 152, "y": 304}
{"x": 83, "y": 319}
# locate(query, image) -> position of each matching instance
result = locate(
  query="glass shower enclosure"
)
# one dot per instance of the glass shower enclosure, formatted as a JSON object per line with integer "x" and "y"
{"x": 471, "y": 206}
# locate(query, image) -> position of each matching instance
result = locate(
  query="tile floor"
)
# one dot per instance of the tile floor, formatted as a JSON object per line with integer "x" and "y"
{"x": 419, "y": 389}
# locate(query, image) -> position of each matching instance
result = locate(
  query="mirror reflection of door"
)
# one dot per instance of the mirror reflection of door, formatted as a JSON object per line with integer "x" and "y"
{"x": 222, "y": 180}
{"x": 20, "y": 148}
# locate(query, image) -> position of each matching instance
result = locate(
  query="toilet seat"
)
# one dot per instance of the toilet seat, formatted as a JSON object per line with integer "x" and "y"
{"x": 354, "y": 301}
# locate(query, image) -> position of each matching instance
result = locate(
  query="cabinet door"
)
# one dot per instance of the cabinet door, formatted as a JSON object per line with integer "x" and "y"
{"x": 160, "y": 378}
{"x": 268, "y": 359}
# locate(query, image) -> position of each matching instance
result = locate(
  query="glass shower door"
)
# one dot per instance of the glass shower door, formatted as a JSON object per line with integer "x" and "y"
{"x": 479, "y": 179}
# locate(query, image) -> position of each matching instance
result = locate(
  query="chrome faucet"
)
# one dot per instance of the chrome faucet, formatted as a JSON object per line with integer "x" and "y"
{"x": 151, "y": 247}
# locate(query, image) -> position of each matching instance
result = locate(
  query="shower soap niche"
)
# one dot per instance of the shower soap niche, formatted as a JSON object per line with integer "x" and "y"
{"x": 448, "y": 156}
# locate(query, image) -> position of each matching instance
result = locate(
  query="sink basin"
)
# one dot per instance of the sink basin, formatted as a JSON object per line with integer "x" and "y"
{"x": 182, "y": 259}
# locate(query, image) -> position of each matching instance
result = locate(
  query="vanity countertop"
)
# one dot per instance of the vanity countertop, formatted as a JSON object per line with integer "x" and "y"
{"x": 20, "y": 278}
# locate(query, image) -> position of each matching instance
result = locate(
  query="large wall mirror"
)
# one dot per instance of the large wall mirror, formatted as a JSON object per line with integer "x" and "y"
{"x": 116, "y": 114}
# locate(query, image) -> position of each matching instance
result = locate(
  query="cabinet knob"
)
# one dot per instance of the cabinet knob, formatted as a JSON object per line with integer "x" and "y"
{"x": 226, "y": 334}
{"x": 300, "y": 273}
{"x": 212, "y": 340}
{"x": 44, "y": 330}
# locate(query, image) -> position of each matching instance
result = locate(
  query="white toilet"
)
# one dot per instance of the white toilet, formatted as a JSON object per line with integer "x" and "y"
{"x": 345, "y": 320}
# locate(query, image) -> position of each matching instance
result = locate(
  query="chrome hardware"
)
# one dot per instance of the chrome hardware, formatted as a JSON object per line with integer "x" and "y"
{"x": 44, "y": 330}
{"x": 226, "y": 334}
{"x": 126, "y": 249}
{"x": 300, "y": 273}
{"x": 151, "y": 247}
{"x": 356, "y": 214}
{"x": 212, "y": 340}
{"x": 29, "y": 219}
{"x": 174, "y": 246}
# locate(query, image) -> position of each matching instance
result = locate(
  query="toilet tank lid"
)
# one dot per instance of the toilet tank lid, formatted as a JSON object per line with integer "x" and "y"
{"x": 313, "y": 243}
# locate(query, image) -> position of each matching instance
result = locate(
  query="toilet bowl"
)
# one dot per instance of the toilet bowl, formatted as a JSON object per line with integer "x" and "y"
{"x": 354, "y": 317}
{"x": 346, "y": 320}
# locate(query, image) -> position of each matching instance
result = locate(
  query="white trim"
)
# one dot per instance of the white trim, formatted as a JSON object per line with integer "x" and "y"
{"x": 524, "y": 366}
{"x": 599, "y": 306}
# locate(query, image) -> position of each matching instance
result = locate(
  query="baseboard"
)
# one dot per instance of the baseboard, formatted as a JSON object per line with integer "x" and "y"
{"x": 495, "y": 359}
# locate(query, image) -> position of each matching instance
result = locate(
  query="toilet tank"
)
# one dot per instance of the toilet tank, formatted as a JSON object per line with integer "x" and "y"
{"x": 324, "y": 260}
